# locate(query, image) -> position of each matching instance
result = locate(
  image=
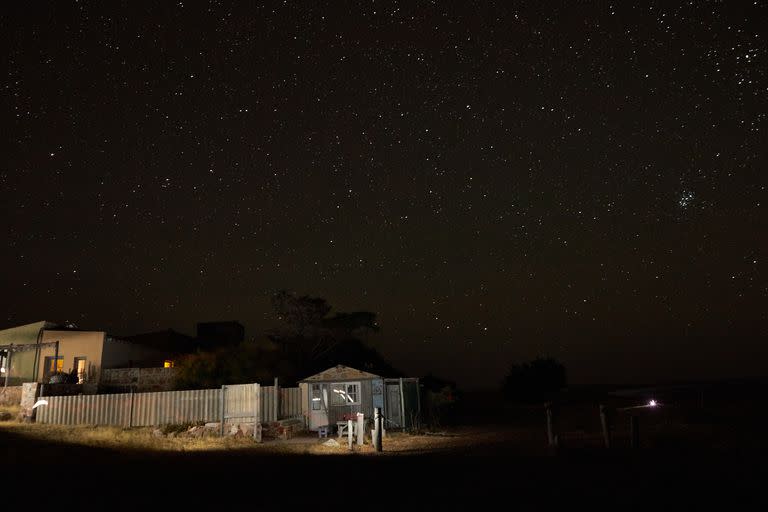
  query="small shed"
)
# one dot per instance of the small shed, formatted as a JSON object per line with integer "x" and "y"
{"x": 338, "y": 391}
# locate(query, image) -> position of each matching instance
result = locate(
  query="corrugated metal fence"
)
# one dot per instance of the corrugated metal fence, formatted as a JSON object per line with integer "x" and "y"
{"x": 173, "y": 407}
{"x": 290, "y": 403}
{"x": 287, "y": 405}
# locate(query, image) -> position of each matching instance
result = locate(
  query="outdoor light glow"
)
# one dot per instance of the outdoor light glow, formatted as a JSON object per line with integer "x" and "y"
{"x": 652, "y": 403}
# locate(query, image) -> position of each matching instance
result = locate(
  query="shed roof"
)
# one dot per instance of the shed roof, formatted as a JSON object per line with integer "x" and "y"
{"x": 340, "y": 372}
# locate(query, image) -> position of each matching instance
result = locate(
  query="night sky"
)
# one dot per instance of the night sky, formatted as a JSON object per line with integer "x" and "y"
{"x": 581, "y": 180}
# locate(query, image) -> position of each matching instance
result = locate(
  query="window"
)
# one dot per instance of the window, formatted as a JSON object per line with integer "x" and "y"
{"x": 81, "y": 364}
{"x": 347, "y": 393}
{"x": 316, "y": 397}
{"x": 53, "y": 365}
{"x": 167, "y": 363}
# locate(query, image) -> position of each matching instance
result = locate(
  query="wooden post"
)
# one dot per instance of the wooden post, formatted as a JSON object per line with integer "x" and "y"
{"x": 349, "y": 434}
{"x": 402, "y": 404}
{"x": 256, "y": 413}
{"x": 604, "y": 421}
{"x": 221, "y": 399}
{"x": 418, "y": 403}
{"x": 377, "y": 429}
{"x": 634, "y": 430}
{"x": 360, "y": 428}
{"x": 276, "y": 405}
{"x": 550, "y": 427}
{"x": 130, "y": 412}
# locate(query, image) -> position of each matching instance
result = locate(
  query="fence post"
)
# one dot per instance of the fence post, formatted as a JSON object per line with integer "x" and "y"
{"x": 130, "y": 413}
{"x": 257, "y": 432}
{"x": 418, "y": 404}
{"x": 634, "y": 430}
{"x": 349, "y": 434}
{"x": 221, "y": 404}
{"x": 550, "y": 428}
{"x": 360, "y": 428}
{"x": 8, "y": 366}
{"x": 402, "y": 404}
{"x": 604, "y": 422}
{"x": 276, "y": 405}
{"x": 377, "y": 429}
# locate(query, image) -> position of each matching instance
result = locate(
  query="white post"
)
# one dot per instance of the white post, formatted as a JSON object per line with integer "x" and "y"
{"x": 349, "y": 433}
{"x": 360, "y": 428}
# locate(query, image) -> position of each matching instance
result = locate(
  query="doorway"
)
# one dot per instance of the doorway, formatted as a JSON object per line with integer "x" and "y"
{"x": 318, "y": 405}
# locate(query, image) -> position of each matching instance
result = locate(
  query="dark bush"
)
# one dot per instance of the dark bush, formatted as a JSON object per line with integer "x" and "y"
{"x": 533, "y": 381}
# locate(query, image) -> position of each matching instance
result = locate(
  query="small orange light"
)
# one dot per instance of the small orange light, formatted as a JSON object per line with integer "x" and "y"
{"x": 168, "y": 363}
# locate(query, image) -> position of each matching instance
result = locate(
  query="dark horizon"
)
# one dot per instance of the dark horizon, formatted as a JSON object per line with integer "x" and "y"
{"x": 616, "y": 361}
{"x": 495, "y": 181}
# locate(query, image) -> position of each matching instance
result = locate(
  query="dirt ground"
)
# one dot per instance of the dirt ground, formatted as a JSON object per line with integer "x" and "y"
{"x": 693, "y": 455}
{"x": 461, "y": 467}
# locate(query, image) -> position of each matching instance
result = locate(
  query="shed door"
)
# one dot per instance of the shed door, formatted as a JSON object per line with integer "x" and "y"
{"x": 393, "y": 415}
{"x": 318, "y": 406}
{"x": 377, "y": 393}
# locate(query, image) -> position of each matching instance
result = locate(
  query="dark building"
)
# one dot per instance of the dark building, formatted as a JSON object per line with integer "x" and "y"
{"x": 170, "y": 342}
{"x": 212, "y": 335}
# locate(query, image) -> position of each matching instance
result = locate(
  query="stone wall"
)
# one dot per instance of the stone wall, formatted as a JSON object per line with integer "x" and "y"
{"x": 139, "y": 379}
{"x": 29, "y": 393}
{"x": 10, "y": 396}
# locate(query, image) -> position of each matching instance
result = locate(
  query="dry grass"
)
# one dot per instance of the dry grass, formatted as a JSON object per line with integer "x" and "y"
{"x": 123, "y": 439}
{"x": 12, "y": 410}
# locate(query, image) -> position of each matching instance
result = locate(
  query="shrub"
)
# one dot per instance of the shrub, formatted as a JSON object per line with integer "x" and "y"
{"x": 535, "y": 380}
{"x": 177, "y": 428}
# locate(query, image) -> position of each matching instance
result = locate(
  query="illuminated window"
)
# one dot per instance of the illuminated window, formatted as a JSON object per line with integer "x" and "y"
{"x": 316, "y": 397}
{"x": 53, "y": 365}
{"x": 81, "y": 363}
{"x": 167, "y": 363}
{"x": 347, "y": 393}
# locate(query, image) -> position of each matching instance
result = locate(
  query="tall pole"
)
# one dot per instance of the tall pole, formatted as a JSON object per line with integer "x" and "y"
{"x": 377, "y": 430}
{"x": 130, "y": 413}
{"x": 8, "y": 366}
{"x": 605, "y": 425}
{"x": 402, "y": 404}
{"x": 550, "y": 427}
{"x": 222, "y": 408}
{"x": 56, "y": 358}
{"x": 418, "y": 403}
{"x": 276, "y": 404}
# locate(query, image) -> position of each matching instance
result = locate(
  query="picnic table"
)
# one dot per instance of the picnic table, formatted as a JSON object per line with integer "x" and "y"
{"x": 342, "y": 427}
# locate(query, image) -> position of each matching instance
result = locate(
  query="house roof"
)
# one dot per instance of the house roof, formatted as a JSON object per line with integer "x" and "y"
{"x": 340, "y": 372}
{"x": 168, "y": 341}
